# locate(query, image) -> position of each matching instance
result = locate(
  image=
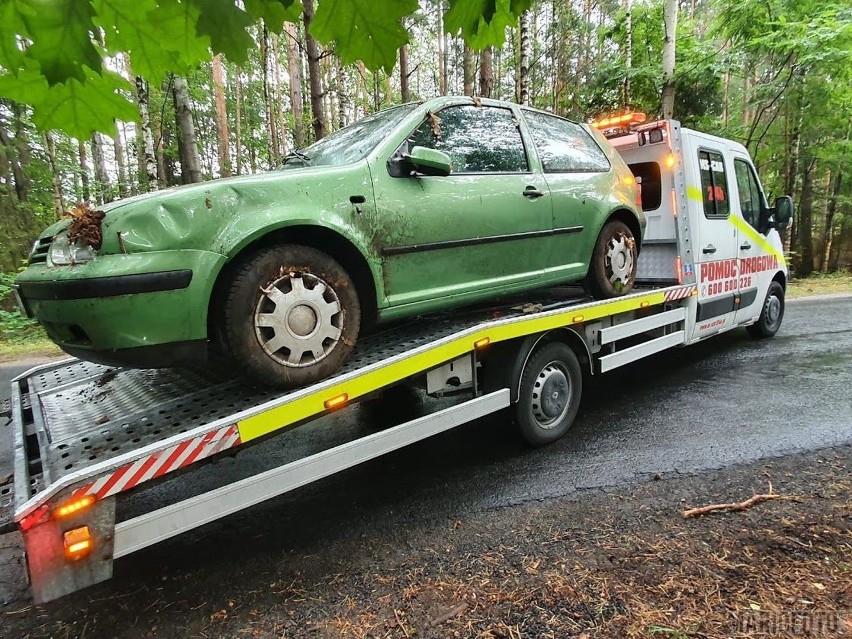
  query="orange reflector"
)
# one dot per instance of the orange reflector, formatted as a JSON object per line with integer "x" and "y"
{"x": 78, "y": 542}
{"x": 73, "y": 507}
{"x": 336, "y": 401}
{"x": 644, "y": 304}
{"x": 674, "y": 203}
{"x": 482, "y": 343}
{"x": 678, "y": 270}
{"x": 577, "y": 318}
{"x": 670, "y": 160}
{"x": 624, "y": 119}
{"x": 694, "y": 292}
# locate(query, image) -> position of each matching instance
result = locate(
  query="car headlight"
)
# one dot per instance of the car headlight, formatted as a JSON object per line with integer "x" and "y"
{"x": 64, "y": 252}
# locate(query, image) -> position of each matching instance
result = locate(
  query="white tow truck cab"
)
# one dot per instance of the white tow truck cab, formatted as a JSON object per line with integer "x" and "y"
{"x": 88, "y": 437}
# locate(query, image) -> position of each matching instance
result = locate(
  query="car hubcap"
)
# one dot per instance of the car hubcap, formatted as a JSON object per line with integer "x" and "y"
{"x": 551, "y": 395}
{"x": 619, "y": 261}
{"x": 298, "y": 319}
{"x": 773, "y": 310}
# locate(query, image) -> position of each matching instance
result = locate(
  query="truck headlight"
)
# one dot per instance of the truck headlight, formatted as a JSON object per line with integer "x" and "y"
{"x": 64, "y": 252}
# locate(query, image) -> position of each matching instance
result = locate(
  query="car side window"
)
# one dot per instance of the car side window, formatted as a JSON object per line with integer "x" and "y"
{"x": 478, "y": 139}
{"x": 749, "y": 191}
{"x": 714, "y": 185}
{"x": 563, "y": 146}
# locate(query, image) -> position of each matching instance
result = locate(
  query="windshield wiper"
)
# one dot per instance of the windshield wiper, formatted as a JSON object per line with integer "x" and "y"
{"x": 297, "y": 155}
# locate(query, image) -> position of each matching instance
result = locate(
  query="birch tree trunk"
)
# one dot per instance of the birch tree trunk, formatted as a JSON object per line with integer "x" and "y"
{"x": 83, "y": 163}
{"x": 272, "y": 147}
{"x": 102, "y": 184}
{"x": 190, "y": 162}
{"x": 294, "y": 70}
{"x": 830, "y": 212}
{"x": 223, "y": 135}
{"x": 628, "y": 47}
{"x": 442, "y": 57}
{"x": 314, "y": 72}
{"x": 486, "y": 72}
{"x": 524, "y": 59}
{"x": 146, "y": 157}
{"x": 669, "y": 42}
{"x": 118, "y": 150}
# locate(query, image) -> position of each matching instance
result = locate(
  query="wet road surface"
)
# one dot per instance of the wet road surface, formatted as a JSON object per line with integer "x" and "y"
{"x": 727, "y": 401}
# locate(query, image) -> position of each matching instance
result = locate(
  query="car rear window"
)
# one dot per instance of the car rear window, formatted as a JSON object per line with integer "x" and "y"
{"x": 563, "y": 146}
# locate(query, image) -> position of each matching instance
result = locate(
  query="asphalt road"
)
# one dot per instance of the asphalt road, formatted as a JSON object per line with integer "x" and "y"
{"x": 727, "y": 401}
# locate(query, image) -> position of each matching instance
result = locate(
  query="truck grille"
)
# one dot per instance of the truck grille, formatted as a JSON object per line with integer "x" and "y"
{"x": 39, "y": 254}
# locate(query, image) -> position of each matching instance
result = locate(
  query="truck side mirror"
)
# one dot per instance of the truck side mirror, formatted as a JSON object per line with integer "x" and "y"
{"x": 783, "y": 211}
{"x": 430, "y": 161}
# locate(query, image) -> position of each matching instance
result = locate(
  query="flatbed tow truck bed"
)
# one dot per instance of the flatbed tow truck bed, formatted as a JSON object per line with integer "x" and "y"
{"x": 86, "y": 435}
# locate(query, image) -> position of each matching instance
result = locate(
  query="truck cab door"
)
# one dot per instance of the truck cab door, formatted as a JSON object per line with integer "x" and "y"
{"x": 757, "y": 256}
{"x": 717, "y": 250}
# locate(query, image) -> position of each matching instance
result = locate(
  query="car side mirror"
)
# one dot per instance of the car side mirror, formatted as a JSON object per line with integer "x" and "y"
{"x": 429, "y": 161}
{"x": 783, "y": 211}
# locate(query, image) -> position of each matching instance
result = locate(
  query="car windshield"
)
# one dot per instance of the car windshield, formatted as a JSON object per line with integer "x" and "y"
{"x": 351, "y": 143}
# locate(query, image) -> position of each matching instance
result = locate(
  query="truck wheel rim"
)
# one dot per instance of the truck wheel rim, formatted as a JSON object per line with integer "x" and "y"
{"x": 298, "y": 320}
{"x": 619, "y": 261}
{"x": 551, "y": 395}
{"x": 773, "y": 310}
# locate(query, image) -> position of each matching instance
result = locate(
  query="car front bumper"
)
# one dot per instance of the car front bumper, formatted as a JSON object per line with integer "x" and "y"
{"x": 125, "y": 309}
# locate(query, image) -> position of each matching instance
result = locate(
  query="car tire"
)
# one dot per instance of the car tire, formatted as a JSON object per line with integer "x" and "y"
{"x": 291, "y": 316}
{"x": 548, "y": 394}
{"x": 771, "y": 315}
{"x": 612, "y": 271}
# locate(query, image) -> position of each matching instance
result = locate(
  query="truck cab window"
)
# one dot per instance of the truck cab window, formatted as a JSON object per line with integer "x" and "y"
{"x": 714, "y": 185}
{"x": 751, "y": 200}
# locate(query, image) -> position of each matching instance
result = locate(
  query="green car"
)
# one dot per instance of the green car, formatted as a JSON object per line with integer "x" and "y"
{"x": 415, "y": 209}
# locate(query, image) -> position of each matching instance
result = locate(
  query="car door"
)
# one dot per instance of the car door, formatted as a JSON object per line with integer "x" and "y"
{"x": 757, "y": 265}
{"x": 717, "y": 244}
{"x": 570, "y": 160}
{"x": 470, "y": 233}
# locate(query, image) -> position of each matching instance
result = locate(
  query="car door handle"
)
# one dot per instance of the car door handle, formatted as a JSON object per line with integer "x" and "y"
{"x": 708, "y": 249}
{"x": 532, "y": 192}
{"x": 745, "y": 246}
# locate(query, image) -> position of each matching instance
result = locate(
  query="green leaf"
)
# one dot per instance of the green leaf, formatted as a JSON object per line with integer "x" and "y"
{"x": 226, "y": 25}
{"x": 274, "y": 13}
{"x": 176, "y": 22}
{"x": 482, "y": 23}
{"x": 61, "y": 44}
{"x": 11, "y": 55}
{"x": 362, "y": 31}
{"x": 81, "y": 108}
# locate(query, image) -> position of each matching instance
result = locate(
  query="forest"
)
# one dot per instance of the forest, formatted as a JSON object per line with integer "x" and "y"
{"x": 151, "y": 107}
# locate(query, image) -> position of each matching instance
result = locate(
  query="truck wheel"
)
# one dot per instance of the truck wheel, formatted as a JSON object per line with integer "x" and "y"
{"x": 291, "y": 316}
{"x": 772, "y": 314}
{"x": 612, "y": 271}
{"x": 549, "y": 394}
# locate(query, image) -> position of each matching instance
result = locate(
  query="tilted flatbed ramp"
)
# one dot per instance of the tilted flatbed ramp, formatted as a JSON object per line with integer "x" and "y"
{"x": 86, "y": 433}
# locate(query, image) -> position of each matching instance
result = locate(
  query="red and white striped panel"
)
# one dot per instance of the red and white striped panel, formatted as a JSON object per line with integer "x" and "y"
{"x": 162, "y": 462}
{"x": 680, "y": 293}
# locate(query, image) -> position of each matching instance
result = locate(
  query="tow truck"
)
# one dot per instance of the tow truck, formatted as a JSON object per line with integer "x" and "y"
{"x": 89, "y": 437}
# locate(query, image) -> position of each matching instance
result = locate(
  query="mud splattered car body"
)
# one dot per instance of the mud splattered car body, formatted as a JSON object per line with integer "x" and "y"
{"x": 507, "y": 218}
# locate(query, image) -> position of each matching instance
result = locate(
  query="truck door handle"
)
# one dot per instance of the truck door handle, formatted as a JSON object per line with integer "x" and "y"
{"x": 745, "y": 246}
{"x": 708, "y": 249}
{"x": 532, "y": 192}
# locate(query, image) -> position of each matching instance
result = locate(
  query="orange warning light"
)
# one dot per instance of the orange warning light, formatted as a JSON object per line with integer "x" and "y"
{"x": 74, "y": 506}
{"x": 482, "y": 343}
{"x": 336, "y": 402}
{"x": 625, "y": 119}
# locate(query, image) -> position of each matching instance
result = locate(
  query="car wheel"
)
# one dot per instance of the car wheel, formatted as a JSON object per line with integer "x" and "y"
{"x": 291, "y": 316}
{"x": 612, "y": 271}
{"x": 549, "y": 394}
{"x": 771, "y": 315}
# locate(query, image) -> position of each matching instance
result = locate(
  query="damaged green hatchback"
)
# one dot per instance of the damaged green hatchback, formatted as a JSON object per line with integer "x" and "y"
{"x": 414, "y": 209}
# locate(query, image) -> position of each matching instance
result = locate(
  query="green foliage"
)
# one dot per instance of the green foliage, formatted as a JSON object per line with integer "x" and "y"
{"x": 14, "y": 327}
{"x": 61, "y": 72}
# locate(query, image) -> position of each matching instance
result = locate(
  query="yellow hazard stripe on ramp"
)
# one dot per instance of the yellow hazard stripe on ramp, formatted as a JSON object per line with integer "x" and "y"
{"x": 277, "y": 417}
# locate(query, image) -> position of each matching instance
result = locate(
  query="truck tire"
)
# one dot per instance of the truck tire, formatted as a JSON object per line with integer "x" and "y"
{"x": 612, "y": 271}
{"x": 549, "y": 393}
{"x": 771, "y": 315}
{"x": 291, "y": 316}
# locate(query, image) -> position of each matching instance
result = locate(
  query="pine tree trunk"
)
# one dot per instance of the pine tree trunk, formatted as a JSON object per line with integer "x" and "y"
{"x": 405, "y": 92}
{"x": 628, "y": 47}
{"x": 830, "y": 212}
{"x": 486, "y": 72}
{"x": 102, "y": 185}
{"x": 669, "y": 45}
{"x": 342, "y": 95}
{"x": 804, "y": 235}
{"x": 147, "y": 159}
{"x": 190, "y": 162}
{"x": 294, "y": 69}
{"x": 469, "y": 70}
{"x": 279, "y": 97}
{"x": 13, "y": 158}
{"x": 272, "y": 147}
{"x": 118, "y": 150}
{"x": 442, "y": 57}
{"x": 238, "y": 123}
{"x": 524, "y": 60}
{"x": 223, "y": 135}
{"x": 22, "y": 150}
{"x": 84, "y": 171}
{"x": 314, "y": 72}
{"x": 58, "y": 202}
